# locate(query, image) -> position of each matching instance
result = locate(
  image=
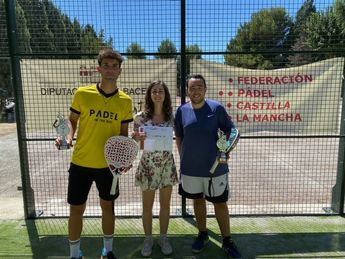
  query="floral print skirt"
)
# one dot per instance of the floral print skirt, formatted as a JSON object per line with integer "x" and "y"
{"x": 156, "y": 170}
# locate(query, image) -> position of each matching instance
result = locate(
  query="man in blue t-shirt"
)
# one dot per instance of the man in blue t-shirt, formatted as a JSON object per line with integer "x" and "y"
{"x": 196, "y": 126}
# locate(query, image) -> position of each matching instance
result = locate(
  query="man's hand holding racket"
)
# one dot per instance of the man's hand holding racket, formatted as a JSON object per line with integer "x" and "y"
{"x": 120, "y": 152}
{"x": 225, "y": 146}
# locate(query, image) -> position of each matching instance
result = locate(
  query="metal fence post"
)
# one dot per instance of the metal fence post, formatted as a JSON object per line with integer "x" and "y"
{"x": 338, "y": 191}
{"x": 183, "y": 74}
{"x": 28, "y": 193}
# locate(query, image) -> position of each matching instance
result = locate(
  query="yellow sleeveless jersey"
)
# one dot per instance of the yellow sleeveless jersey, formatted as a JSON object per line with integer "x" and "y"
{"x": 100, "y": 118}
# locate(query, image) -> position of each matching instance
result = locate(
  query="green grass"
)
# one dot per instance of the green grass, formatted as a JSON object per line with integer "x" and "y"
{"x": 267, "y": 237}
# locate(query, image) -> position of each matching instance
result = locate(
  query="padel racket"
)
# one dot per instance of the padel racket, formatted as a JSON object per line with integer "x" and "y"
{"x": 229, "y": 146}
{"x": 120, "y": 152}
{"x": 233, "y": 139}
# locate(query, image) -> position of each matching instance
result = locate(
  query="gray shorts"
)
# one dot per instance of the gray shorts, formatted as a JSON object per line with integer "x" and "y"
{"x": 214, "y": 189}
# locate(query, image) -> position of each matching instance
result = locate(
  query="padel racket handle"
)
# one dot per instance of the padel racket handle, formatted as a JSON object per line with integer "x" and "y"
{"x": 114, "y": 184}
{"x": 214, "y": 166}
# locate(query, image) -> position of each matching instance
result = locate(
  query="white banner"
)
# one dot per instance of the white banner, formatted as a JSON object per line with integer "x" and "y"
{"x": 303, "y": 99}
{"x": 49, "y": 85}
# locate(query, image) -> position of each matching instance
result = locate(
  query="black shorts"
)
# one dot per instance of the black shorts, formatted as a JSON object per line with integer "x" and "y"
{"x": 80, "y": 180}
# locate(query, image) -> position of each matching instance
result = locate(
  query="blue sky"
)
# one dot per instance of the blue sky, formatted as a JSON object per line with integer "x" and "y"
{"x": 210, "y": 23}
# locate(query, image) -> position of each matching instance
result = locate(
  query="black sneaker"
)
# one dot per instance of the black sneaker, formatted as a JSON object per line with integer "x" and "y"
{"x": 230, "y": 248}
{"x": 109, "y": 255}
{"x": 80, "y": 255}
{"x": 200, "y": 242}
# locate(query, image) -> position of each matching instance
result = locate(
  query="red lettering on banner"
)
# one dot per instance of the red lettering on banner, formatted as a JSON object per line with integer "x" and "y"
{"x": 289, "y": 117}
{"x": 271, "y": 80}
{"x": 242, "y": 118}
{"x": 255, "y": 93}
{"x": 263, "y": 106}
{"x": 265, "y": 100}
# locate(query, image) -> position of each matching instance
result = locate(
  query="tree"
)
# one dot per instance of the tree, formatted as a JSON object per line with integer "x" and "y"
{"x": 57, "y": 26}
{"x": 103, "y": 42}
{"x": 77, "y": 31}
{"x": 194, "y": 48}
{"x": 42, "y": 39}
{"x": 42, "y": 29}
{"x": 22, "y": 30}
{"x": 267, "y": 32}
{"x": 302, "y": 17}
{"x": 299, "y": 34}
{"x": 90, "y": 41}
{"x": 72, "y": 39}
{"x": 324, "y": 34}
{"x": 167, "y": 47}
{"x": 3, "y": 31}
{"x": 6, "y": 89}
{"x": 136, "y": 50}
{"x": 339, "y": 11}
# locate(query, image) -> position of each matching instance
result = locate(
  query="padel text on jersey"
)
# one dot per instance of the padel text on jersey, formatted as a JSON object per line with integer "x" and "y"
{"x": 103, "y": 114}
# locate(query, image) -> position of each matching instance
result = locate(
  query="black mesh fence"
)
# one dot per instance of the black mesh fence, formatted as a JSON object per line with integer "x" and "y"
{"x": 277, "y": 67}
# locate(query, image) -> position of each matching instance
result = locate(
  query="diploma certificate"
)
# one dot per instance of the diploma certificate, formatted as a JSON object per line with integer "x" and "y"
{"x": 158, "y": 138}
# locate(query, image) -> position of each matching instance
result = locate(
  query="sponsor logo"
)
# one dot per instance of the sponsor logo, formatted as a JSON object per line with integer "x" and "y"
{"x": 99, "y": 114}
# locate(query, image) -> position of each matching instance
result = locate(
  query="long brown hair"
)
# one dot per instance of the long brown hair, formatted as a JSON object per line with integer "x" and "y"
{"x": 149, "y": 106}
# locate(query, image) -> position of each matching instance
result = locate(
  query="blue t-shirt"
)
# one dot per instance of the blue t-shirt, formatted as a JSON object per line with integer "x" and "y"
{"x": 198, "y": 130}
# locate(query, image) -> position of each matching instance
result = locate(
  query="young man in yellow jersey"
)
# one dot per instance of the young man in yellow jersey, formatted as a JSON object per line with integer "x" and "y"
{"x": 102, "y": 111}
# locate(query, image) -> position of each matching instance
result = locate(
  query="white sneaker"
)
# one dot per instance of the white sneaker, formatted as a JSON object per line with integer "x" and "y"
{"x": 146, "y": 250}
{"x": 165, "y": 245}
